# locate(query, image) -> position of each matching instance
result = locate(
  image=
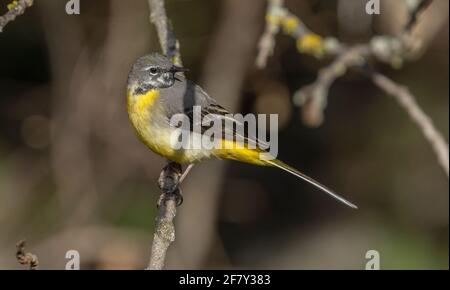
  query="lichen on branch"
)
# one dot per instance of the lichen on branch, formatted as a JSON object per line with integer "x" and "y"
{"x": 15, "y": 8}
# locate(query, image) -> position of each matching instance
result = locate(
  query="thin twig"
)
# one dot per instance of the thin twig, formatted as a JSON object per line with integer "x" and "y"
{"x": 169, "y": 43}
{"x": 266, "y": 43}
{"x": 15, "y": 8}
{"x": 415, "y": 12}
{"x": 407, "y": 101}
{"x": 169, "y": 179}
{"x": 165, "y": 229}
{"x": 313, "y": 97}
{"x": 384, "y": 48}
{"x": 23, "y": 258}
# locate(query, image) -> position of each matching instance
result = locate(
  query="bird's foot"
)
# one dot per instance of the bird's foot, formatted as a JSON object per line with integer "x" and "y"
{"x": 169, "y": 182}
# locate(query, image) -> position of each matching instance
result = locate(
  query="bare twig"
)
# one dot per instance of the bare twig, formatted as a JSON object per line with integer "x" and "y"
{"x": 385, "y": 48}
{"x": 26, "y": 258}
{"x": 415, "y": 11}
{"x": 165, "y": 229}
{"x": 313, "y": 97}
{"x": 266, "y": 43}
{"x": 15, "y": 8}
{"x": 169, "y": 179}
{"x": 407, "y": 101}
{"x": 169, "y": 43}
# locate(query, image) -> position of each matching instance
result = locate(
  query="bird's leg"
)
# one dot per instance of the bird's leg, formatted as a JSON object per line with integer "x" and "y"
{"x": 185, "y": 173}
{"x": 169, "y": 181}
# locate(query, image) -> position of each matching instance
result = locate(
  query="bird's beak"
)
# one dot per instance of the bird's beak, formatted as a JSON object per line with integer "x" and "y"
{"x": 176, "y": 69}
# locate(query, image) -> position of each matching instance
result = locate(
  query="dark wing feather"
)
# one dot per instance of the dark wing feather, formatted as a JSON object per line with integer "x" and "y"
{"x": 214, "y": 112}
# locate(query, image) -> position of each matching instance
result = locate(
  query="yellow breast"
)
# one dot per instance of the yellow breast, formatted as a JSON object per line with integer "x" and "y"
{"x": 147, "y": 118}
{"x": 138, "y": 105}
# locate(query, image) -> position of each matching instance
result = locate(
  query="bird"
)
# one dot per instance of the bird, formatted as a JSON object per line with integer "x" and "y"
{"x": 157, "y": 90}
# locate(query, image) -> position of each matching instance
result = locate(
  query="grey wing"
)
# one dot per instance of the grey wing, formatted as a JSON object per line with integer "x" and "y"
{"x": 210, "y": 111}
{"x": 183, "y": 96}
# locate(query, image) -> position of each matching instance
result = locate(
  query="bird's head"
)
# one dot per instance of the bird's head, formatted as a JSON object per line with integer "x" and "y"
{"x": 153, "y": 71}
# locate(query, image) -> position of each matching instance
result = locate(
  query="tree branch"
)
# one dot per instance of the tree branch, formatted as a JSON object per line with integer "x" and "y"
{"x": 15, "y": 9}
{"x": 407, "y": 101}
{"x": 384, "y": 48}
{"x": 165, "y": 229}
{"x": 415, "y": 11}
{"x": 170, "y": 177}
{"x": 169, "y": 43}
{"x": 266, "y": 43}
{"x": 26, "y": 258}
{"x": 313, "y": 97}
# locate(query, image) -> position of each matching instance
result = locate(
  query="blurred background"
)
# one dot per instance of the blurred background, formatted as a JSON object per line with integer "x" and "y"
{"x": 74, "y": 176}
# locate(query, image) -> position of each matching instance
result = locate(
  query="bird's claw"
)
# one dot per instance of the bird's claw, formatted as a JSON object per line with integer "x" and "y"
{"x": 171, "y": 195}
{"x": 169, "y": 182}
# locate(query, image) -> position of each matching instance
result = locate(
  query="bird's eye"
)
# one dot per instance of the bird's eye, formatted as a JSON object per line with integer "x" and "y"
{"x": 153, "y": 70}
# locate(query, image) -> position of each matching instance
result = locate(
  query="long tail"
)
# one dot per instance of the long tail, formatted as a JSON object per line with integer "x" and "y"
{"x": 287, "y": 168}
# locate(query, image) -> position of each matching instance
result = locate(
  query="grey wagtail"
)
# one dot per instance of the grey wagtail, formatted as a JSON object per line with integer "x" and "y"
{"x": 156, "y": 93}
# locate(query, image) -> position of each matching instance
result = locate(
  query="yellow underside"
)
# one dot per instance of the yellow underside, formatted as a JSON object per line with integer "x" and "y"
{"x": 230, "y": 150}
{"x": 141, "y": 110}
